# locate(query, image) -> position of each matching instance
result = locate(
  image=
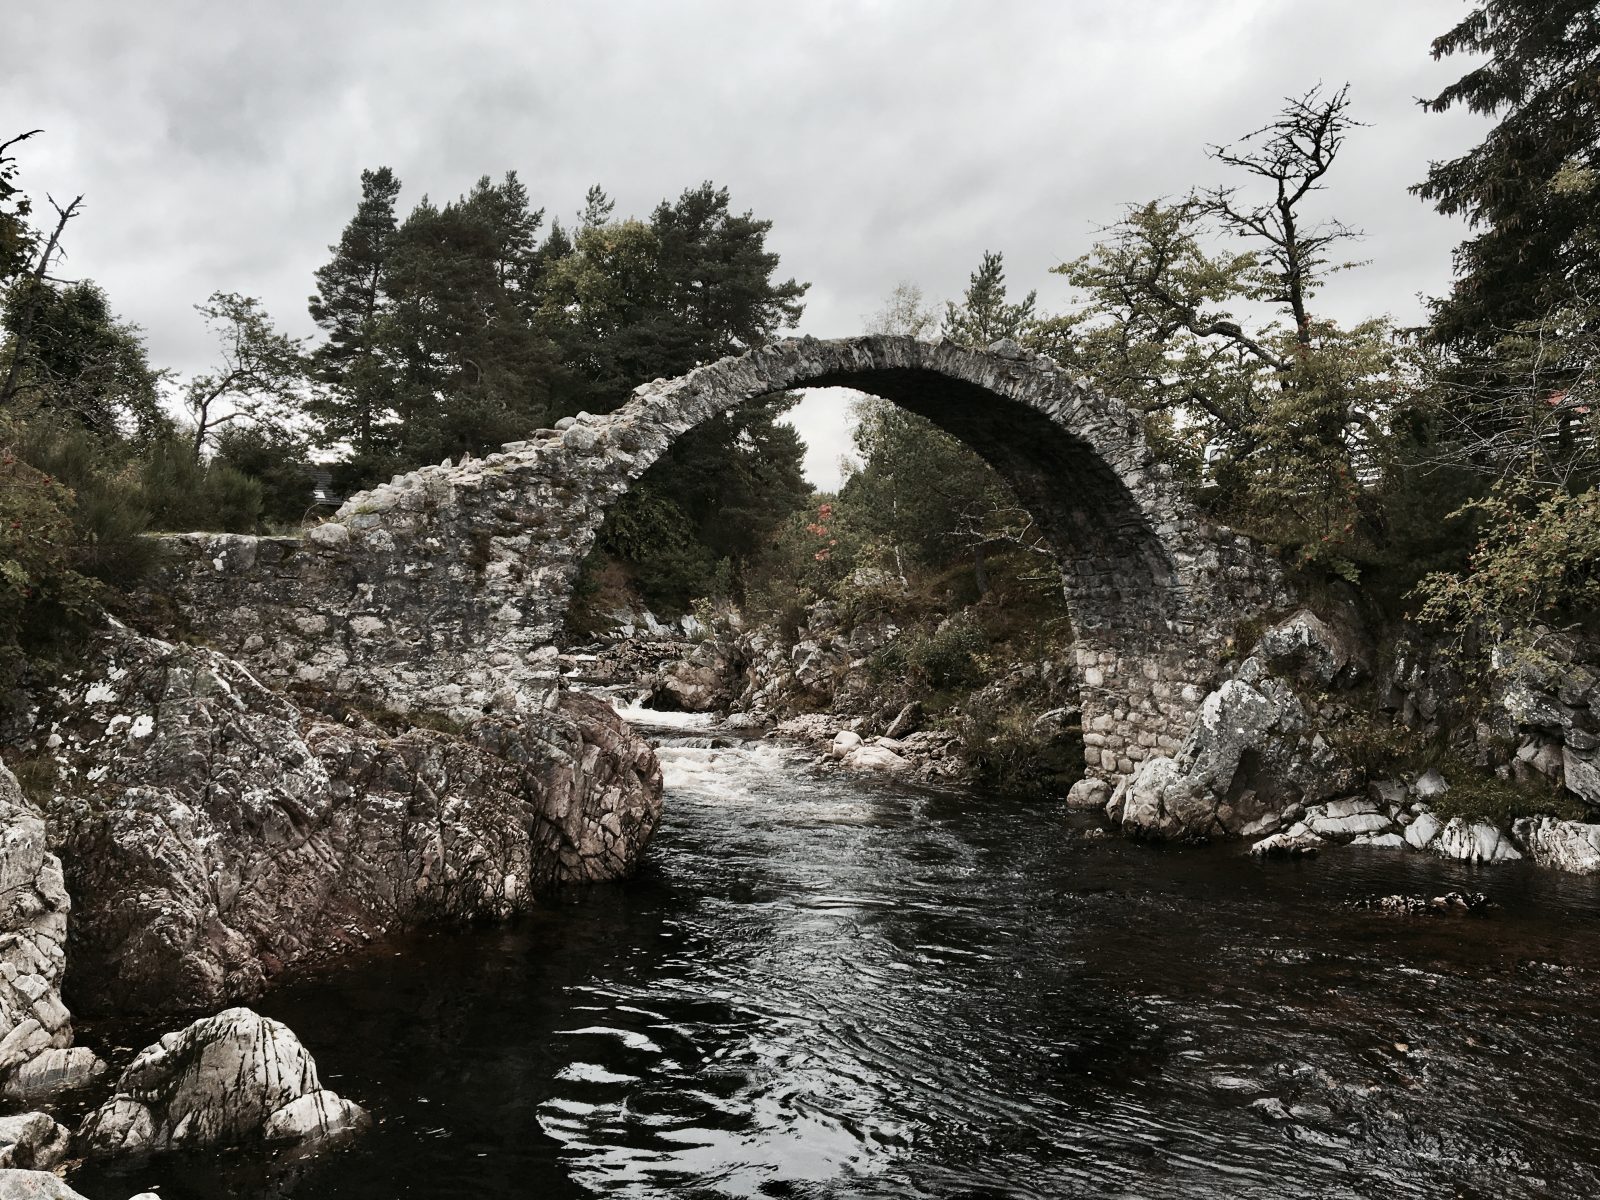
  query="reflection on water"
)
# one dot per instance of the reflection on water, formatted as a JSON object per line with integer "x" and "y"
{"x": 824, "y": 986}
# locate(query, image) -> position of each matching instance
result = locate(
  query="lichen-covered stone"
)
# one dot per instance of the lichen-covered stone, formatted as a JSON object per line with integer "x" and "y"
{"x": 32, "y": 1141}
{"x": 1252, "y": 751}
{"x": 33, "y": 932}
{"x": 1317, "y": 653}
{"x": 1565, "y": 845}
{"x": 19, "y": 1184}
{"x": 216, "y": 834}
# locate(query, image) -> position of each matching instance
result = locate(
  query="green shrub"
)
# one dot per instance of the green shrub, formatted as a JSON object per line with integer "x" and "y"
{"x": 1476, "y": 795}
{"x": 1537, "y": 559}
{"x": 183, "y": 494}
{"x": 42, "y": 594}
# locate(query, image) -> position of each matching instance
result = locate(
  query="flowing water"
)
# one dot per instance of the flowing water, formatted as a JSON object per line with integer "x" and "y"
{"x": 829, "y": 986}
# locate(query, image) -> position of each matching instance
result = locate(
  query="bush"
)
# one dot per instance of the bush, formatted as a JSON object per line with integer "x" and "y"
{"x": 42, "y": 594}
{"x": 183, "y": 494}
{"x": 277, "y": 461}
{"x": 1538, "y": 559}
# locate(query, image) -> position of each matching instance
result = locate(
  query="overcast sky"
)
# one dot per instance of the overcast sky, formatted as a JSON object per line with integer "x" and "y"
{"x": 220, "y": 145}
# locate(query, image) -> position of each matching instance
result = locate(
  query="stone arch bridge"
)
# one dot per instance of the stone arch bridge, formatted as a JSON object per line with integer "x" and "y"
{"x": 445, "y": 590}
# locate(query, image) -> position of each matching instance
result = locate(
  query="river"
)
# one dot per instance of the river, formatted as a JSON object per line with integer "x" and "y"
{"x": 823, "y": 985}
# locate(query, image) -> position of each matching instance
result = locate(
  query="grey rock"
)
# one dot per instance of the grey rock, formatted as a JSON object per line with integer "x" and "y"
{"x": 1565, "y": 845}
{"x": 1380, "y": 841}
{"x": 1420, "y": 833}
{"x": 35, "y": 1185}
{"x": 1347, "y": 827}
{"x": 1251, "y": 751}
{"x": 1088, "y": 795}
{"x": 1308, "y": 648}
{"x": 1473, "y": 841}
{"x": 907, "y": 720}
{"x": 32, "y": 1141}
{"x": 1294, "y": 842}
{"x": 218, "y": 835}
{"x": 233, "y": 1079}
{"x": 1582, "y": 774}
{"x": 1430, "y": 785}
{"x": 33, "y": 930}
{"x": 333, "y": 534}
{"x": 844, "y": 742}
{"x": 53, "y": 1071}
{"x": 875, "y": 758}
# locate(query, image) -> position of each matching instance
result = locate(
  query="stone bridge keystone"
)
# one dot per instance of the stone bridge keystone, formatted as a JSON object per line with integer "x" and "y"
{"x": 445, "y": 590}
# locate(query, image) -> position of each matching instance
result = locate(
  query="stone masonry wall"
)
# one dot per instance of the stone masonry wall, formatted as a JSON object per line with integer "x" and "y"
{"x": 445, "y": 589}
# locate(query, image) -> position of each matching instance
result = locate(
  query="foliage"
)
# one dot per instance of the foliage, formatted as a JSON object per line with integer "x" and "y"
{"x": 41, "y": 592}
{"x": 258, "y": 374}
{"x": 1538, "y": 560}
{"x": 349, "y": 306}
{"x": 275, "y": 458}
{"x": 984, "y": 315}
{"x": 906, "y": 313}
{"x": 16, "y": 236}
{"x": 1527, "y": 189}
{"x": 1278, "y": 421}
{"x": 109, "y": 510}
{"x": 74, "y": 358}
{"x": 951, "y": 656}
{"x": 1011, "y": 748}
{"x": 1477, "y": 795}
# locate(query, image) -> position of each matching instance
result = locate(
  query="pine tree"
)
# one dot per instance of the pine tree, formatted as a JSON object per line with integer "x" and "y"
{"x": 1528, "y": 189}
{"x": 472, "y": 369}
{"x": 984, "y": 317}
{"x": 349, "y": 307}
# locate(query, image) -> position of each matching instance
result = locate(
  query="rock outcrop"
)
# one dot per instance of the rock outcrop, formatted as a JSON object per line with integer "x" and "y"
{"x": 230, "y": 1080}
{"x": 1254, "y": 755}
{"x": 35, "y": 1026}
{"x": 216, "y": 833}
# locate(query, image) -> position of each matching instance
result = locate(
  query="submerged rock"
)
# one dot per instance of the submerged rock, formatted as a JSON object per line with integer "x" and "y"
{"x": 233, "y": 1079}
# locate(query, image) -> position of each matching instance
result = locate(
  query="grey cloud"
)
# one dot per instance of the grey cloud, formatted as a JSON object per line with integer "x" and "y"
{"x": 220, "y": 145}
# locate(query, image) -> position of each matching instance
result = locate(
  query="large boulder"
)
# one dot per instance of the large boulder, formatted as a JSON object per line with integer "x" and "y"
{"x": 216, "y": 835}
{"x": 1252, "y": 752}
{"x": 699, "y": 683}
{"x": 233, "y": 1079}
{"x": 32, "y": 1140}
{"x": 19, "y": 1184}
{"x": 1473, "y": 841}
{"x": 1317, "y": 653}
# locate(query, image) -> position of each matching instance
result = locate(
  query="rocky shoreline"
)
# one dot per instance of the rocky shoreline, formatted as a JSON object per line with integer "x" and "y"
{"x": 1274, "y": 756}
{"x": 185, "y": 836}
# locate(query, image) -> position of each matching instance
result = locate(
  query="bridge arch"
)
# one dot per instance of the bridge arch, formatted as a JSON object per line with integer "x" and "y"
{"x": 446, "y": 589}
